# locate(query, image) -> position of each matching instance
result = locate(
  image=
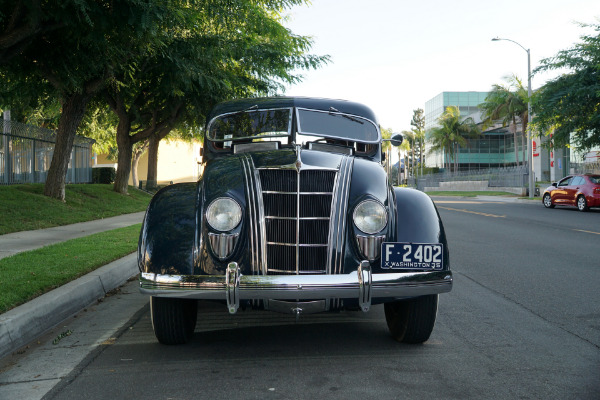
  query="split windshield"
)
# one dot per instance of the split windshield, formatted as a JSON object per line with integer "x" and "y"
{"x": 252, "y": 124}
{"x": 272, "y": 123}
{"x": 336, "y": 125}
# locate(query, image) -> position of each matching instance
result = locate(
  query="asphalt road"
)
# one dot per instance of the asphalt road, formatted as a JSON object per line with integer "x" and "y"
{"x": 522, "y": 321}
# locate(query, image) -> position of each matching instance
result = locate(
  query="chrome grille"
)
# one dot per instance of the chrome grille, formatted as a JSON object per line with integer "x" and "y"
{"x": 297, "y": 211}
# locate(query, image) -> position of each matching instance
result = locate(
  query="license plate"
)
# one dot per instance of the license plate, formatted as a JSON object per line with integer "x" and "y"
{"x": 420, "y": 256}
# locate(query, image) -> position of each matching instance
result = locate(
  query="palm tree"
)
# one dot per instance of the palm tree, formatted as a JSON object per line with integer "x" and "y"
{"x": 409, "y": 145}
{"x": 452, "y": 133}
{"x": 507, "y": 103}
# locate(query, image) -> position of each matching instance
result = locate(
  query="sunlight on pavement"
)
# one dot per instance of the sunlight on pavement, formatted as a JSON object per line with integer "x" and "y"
{"x": 474, "y": 212}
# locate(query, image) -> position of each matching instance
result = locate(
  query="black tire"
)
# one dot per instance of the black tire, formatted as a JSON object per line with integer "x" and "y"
{"x": 173, "y": 320}
{"x": 582, "y": 204}
{"x": 548, "y": 201}
{"x": 411, "y": 321}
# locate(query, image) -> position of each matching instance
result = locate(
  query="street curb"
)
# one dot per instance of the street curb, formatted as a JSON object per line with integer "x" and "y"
{"x": 28, "y": 321}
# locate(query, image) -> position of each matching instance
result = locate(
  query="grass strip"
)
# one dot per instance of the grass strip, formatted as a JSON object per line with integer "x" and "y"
{"x": 27, "y": 275}
{"x": 470, "y": 193}
{"x": 26, "y": 208}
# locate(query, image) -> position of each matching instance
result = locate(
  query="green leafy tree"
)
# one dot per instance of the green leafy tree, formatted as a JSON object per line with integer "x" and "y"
{"x": 569, "y": 106}
{"x": 66, "y": 50}
{"x": 452, "y": 133}
{"x": 221, "y": 50}
{"x": 507, "y": 103}
{"x": 23, "y": 21}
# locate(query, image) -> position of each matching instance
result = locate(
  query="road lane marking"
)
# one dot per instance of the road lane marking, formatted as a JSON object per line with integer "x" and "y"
{"x": 581, "y": 230}
{"x": 465, "y": 202}
{"x": 474, "y": 212}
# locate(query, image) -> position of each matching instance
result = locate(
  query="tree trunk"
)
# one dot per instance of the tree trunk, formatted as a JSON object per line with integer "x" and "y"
{"x": 421, "y": 159}
{"x": 134, "y": 165}
{"x": 125, "y": 147}
{"x": 73, "y": 109}
{"x": 153, "y": 143}
{"x": 524, "y": 150}
{"x": 514, "y": 127}
{"x": 137, "y": 154}
{"x": 412, "y": 162}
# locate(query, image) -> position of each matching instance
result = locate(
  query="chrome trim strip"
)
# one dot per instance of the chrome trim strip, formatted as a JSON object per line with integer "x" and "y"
{"x": 301, "y": 272}
{"x": 252, "y": 214}
{"x": 197, "y": 228}
{"x": 294, "y": 193}
{"x": 262, "y": 238}
{"x": 301, "y": 218}
{"x": 298, "y": 244}
{"x": 298, "y": 167}
{"x": 338, "y": 223}
{"x": 305, "y": 167}
{"x": 294, "y": 287}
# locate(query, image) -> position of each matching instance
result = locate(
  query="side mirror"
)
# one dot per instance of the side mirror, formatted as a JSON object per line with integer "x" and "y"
{"x": 555, "y": 184}
{"x": 395, "y": 140}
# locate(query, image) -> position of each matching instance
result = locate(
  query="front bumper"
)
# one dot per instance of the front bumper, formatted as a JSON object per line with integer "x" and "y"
{"x": 233, "y": 286}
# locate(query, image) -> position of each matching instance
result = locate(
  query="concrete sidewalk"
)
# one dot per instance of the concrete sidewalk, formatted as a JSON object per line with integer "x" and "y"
{"x": 28, "y": 321}
{"x": 14, "y": 243}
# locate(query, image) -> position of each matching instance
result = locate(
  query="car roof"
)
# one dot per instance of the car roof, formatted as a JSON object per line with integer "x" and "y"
{"x": 343, "y": 106}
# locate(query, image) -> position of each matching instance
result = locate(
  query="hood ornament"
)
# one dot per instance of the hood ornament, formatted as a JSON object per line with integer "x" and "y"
{"x": 298, "y": 163}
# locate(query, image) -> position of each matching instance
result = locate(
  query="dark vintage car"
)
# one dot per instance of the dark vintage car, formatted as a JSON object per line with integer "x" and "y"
{"x": 294, "y": 213}
{"x": 581, "y": 191}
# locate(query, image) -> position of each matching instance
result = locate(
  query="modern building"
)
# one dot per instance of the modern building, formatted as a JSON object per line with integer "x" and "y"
{"x": 496, "y": 147}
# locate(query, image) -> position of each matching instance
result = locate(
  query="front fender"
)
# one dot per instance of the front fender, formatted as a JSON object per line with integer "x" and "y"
{"x": 418, "y": 221}
{"x": 166, "y": 243}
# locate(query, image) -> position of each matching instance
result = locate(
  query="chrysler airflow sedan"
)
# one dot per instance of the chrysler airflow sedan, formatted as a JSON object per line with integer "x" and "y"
{"x": 294, "y": 213}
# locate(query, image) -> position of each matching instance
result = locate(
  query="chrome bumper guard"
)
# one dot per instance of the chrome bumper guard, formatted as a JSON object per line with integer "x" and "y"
{"x": 233, "y": 286}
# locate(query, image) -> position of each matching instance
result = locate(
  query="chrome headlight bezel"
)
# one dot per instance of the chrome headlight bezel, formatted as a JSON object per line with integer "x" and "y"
{"x": 223, "y": 214}
{"x": 370, "y": 217}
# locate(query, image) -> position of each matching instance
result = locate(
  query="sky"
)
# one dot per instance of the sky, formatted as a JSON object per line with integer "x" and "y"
{"x": 394, "y": 55}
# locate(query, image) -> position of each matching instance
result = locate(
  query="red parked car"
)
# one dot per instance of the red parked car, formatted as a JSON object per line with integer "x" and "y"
{"x": 581, "y": 191}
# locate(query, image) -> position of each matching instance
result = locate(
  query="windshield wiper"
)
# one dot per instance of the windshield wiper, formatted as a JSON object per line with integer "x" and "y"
{"x": 332, "y": 110}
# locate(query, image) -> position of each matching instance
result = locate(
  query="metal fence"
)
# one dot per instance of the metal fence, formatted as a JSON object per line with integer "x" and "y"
{"x": 516, "y": 177}
{"x": 26, "y": 152}
{"x": 586, "y": 168}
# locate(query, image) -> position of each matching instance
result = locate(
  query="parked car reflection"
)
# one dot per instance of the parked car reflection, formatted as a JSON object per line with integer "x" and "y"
{"x": 581, "y": 191}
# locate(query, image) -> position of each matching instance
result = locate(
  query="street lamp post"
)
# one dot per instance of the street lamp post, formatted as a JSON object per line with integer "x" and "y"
{"x": 529, "y": 139}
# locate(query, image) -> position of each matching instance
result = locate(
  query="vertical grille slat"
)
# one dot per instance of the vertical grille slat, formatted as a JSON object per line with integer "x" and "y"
{"x": 297, "y": 239}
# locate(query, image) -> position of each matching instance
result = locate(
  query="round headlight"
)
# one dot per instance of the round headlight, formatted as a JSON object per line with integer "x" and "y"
{"x": 370, "y": 217}
{"x": 224, "y": 214}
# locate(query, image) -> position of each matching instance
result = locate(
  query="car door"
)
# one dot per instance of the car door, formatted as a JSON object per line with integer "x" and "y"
{"x": 573, "y": 189}
{"x": 560, "y": 194}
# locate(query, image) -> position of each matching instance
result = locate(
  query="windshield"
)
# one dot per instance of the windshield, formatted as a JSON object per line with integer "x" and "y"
{"x": 337, "y": 125}
{"x": 253, "y": 124}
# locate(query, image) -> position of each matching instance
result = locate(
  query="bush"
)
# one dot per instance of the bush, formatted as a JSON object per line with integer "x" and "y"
{"x": 103, "y": 175}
